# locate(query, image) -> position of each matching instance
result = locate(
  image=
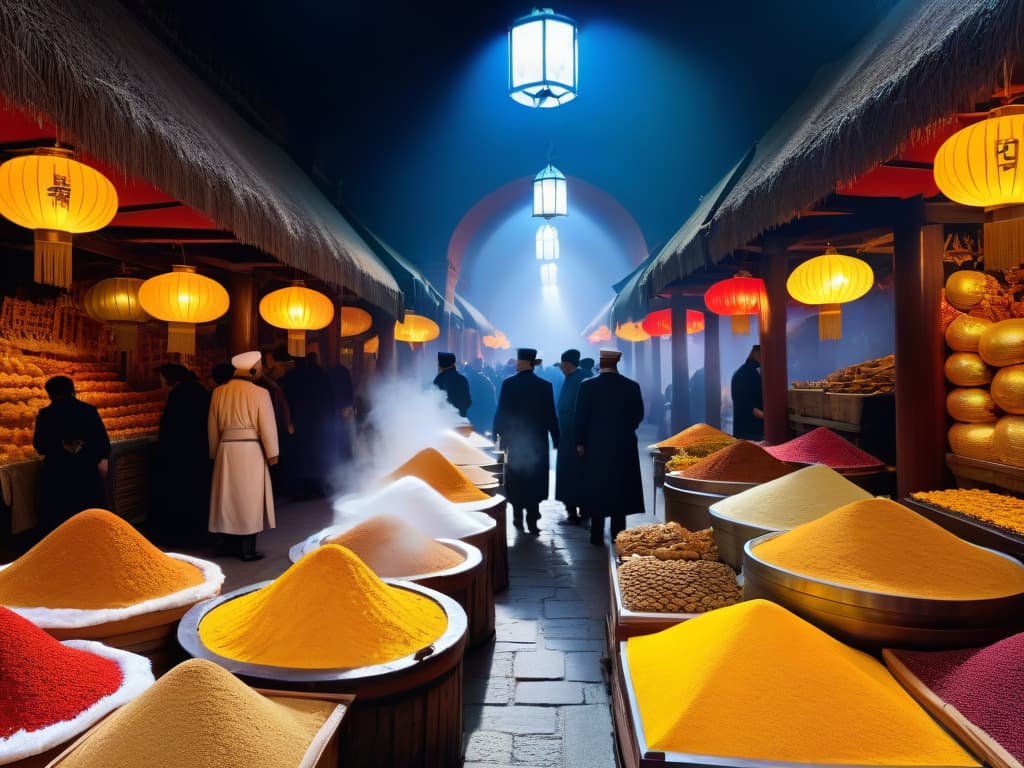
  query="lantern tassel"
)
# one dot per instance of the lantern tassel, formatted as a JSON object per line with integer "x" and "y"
{"x": 830, "y": 322}
{"x": 181, "y": 338}
{"x": 52, "y": 258}
{"x": 740, "y": 325}
{"x": 297, "y": 343}
{"x": 1004, "y": 238}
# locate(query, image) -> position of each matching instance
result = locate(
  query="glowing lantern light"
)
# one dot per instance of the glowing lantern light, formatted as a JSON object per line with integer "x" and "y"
{"x": 828, "y": 281}
{"x": 631, "y": 332}
{"x": 659, "y": 323}
{"x": 297, "y": 309}
{"x": 354, "y": 321}
{"x": 543, "y": 59}
{"x": 980, "y": 165}
{"x": 56, "y": 196}
{"x": 603, "y": 333}
{"x": 416, "y": 329}
{"x": 547, "y": 243}
{"x": 738, "y": 297}
{"x": 497, "y": 341}
{"x": 550, "y": 198}
{"x": 116, "y": 301}
{"x": 372, "y": 346}
{"x": 182, "y": 299}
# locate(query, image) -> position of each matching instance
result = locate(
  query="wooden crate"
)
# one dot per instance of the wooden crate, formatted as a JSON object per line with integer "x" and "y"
{"x": 808, "y": 403}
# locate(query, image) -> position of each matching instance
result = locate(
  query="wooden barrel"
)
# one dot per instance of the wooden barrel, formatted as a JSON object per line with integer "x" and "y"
{"x": 496, "y": 510}
{"x": 462, "y": 584}
{"x": 486, "y": 542}
{"x": 407, "y": 712}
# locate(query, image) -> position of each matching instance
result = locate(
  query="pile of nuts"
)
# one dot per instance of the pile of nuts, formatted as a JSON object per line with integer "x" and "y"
{"x": 677, "y": 586}
{"x": 666, "y": 541}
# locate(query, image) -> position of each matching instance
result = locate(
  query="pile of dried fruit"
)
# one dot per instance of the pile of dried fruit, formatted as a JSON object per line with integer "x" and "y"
{"x": 677, "y": 586}
{"x": 667, "y": 541}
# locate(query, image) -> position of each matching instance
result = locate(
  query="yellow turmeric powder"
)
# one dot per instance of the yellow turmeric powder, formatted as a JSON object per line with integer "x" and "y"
{"x": 92, "y": 561}
{"x": 881, "y": 546}
{"x": 694, "y": 434}
{"x": 201, "y": 714}
{"x": 393, "y": 548}
{"x": 758, "y": 682}
{"x": 325, "y": 612}
{"x": 994, "y": 508}
{"x": 440, "y": 474}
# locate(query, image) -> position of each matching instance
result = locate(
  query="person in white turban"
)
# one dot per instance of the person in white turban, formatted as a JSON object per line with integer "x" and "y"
{"x": 243, "y": 445}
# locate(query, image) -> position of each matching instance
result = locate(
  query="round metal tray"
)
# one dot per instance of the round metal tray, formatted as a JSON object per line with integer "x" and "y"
{"x": 873, "y": 620}
{"x": 721, "y": 487}
{"x": 730, "y": 536}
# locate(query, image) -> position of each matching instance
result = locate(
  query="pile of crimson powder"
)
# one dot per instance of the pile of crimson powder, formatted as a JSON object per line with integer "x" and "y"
{"x": 984, "y": 684}
{"x": 53, "y": 691}
{"x": 823, "y": 446}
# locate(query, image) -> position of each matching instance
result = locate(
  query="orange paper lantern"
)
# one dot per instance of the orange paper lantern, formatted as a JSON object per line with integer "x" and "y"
{"x": 659, "y": 323}
{"x": 354, "y": 321}
{"x": 297, "y": 309}
{"x": 416, "y": 329}
{"x": 182, "y": 298}
{"x": 631, "y": 332}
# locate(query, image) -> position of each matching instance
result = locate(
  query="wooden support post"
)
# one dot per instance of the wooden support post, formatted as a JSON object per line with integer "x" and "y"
{"x": 332, "y": 343}
{"x": 772, "y": 325}
{"x": 658, "y": 403}
{"x": 920, "y": 354}
{"x": 242, "y": 334}
{"x": 712, "y": 371}
{"x": 384, "y": 325}
{"x": 680, "y": 366}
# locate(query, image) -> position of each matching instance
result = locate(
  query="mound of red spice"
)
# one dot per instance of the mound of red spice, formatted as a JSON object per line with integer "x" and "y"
{"x": 742, "y": 462}
{"x": 43, "y": 682}
{"x": 984, "y": 684}
{"x": 823, "y": 446}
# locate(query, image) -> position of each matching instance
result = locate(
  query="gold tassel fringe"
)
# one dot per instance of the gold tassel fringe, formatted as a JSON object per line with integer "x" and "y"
{"x": 830, "y": 322}
{"x": 297, "y": 343}
{"x": 740, "y": 325}
{"x": 52, "y": 258}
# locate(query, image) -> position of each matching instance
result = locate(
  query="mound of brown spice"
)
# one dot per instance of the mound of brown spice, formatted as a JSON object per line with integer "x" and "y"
{"x": 742, "y": 462}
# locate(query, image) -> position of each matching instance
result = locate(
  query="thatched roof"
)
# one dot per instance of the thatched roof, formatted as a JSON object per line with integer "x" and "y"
{"x": 922, "y": 63}
{"x": 117, "y": 92}
{"x": 474, "y": 317}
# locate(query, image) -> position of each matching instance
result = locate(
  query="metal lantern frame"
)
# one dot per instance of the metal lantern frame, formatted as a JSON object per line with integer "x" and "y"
{"x": 553, "y": 80}
{"x": 550, "y": 195}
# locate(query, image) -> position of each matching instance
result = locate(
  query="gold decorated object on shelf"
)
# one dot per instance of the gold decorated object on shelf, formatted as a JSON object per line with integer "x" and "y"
{"x": 964, "y": 333}
{"x": 966, "y": 369}
{"x": 965, "y": 288}
{"x": 1008, "y": 389}
{"x": 1003, "y": 343}
{"x": 974, "y": 441}
{"x": 1008, "y": 440}
{"x": 972, "y": 405}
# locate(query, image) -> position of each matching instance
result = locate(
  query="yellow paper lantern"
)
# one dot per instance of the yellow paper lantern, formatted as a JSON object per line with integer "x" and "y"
{"x": 966, "y": 369}
{"x": 56, "y": 196}
{"x": 631, "y": 332}
{"x": 1003, "y": 343}
{"x": 115, "y": 301}
{"x": 828, "y": 281}
{"x": 182, "y": 298}
{"x": 980, "y": 166}
{"x": 371, "y": 346}
{"x": 964, "y": 333}
{"x": 1008, "y": 389}
{"x": 416, "y": 329}
{"x": 972, "y": 405}
{"x": 965, "y": 288}
{"x": 354, "y": 321}
{"x": 297, "y": 309}
{"x": 1008, "y": 440}
{"x": 975, "y": 441}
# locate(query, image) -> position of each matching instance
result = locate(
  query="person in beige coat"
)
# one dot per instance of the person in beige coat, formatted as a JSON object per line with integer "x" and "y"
{"x": 243, "y": 445}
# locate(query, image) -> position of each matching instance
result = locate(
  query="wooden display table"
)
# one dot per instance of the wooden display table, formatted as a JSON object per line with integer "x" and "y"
{"x": 970, "y": 528}
{"x": 975, "y": 473}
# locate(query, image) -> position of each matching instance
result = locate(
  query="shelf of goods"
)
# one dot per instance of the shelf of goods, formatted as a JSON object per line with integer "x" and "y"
{"x": 970, "y": 528}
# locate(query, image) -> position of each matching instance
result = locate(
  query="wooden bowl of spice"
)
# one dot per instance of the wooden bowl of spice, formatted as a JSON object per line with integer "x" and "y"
{"x": 875, "y": 574}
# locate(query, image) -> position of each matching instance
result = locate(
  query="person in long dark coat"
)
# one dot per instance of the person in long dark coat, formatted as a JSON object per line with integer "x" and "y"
{"x": 311, "y": 404}
{"x": 523, "y": 421}
{"x": 452, "y": 383}
{"x": 482, "y": 396}
{"x": 181, "y": 507}
{"x": 609, "y": 408}
{"x": 569, "y": 465}
{"x": 73, "y": 442}
{"x": 747, "y": 398}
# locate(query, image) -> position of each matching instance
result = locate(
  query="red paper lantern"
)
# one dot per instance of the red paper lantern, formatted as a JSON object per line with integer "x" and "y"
{"x": 738, "y": 297}
{"x": 659, "y": 323}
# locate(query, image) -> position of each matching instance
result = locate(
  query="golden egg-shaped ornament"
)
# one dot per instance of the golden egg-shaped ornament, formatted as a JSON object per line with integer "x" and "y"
{"x": 972, "y": 405}
{"x": 1003, "y": 343}
{"x": 967, "y": 369}
{"x": 1007, "y": 389}
{"x": 964, "y": 333}
{"x": 1008, "y": 440}
{"x": 965, "y": 288}
{"x": 974, "y": 441}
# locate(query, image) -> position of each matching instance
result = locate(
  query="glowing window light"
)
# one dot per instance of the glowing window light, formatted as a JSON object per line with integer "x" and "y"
{"x": 547, "y": 243}
{"x": 549, "y": 194}
{"x": 543, "y": 59}
{"x": 549, "y": 274}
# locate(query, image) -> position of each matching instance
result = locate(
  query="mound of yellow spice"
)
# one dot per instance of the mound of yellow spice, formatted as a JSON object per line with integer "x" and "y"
{"x": 881, "y": 546}
{"x": 695, "y": 434}
{"x": 199, "y": 714}
{"x": 430, "y": 466}
{"x": 760, "y": 683}
{"x": 327, "y": 611}
{"x": 393, "y": 548}
{"x": 92, "y": 561}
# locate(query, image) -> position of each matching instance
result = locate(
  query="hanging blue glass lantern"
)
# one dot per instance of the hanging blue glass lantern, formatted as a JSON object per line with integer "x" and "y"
{"x": 549, "y": 195}
{"x": 543, "y": 59}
